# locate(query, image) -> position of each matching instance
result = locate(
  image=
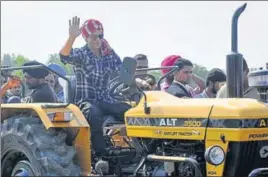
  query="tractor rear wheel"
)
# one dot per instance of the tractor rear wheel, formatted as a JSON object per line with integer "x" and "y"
{"x": 28, "y": 149}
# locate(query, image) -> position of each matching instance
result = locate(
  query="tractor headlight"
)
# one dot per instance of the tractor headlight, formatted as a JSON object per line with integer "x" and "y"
{"x": 215, "y": 155}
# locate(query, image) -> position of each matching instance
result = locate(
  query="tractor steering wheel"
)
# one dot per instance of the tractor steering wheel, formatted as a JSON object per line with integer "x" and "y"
{"x": 118, "y": 90}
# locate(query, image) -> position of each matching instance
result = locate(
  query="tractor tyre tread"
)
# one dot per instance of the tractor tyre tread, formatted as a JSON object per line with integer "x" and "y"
{"x": 45, "y": 149}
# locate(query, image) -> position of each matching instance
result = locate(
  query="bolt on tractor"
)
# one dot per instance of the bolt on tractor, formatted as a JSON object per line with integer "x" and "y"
{"x": 162, "y": 135}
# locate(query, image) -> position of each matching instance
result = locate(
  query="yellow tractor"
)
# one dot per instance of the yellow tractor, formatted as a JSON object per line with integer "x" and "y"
{"x": 162, "y": 135}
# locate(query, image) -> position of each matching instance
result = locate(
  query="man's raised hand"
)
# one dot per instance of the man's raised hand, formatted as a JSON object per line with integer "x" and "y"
{"x": 74, "y": 27}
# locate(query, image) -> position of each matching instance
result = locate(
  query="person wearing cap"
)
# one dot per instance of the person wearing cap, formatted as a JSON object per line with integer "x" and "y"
{"x": 249, "y": 92}
{"x": 170, "y": 61}
{"x": 215, "y": 80}
{"x": 94, "y": 66}
{"x": 35, "y": 81}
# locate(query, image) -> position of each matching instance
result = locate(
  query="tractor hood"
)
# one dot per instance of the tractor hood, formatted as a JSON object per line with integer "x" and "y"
{"x": 181, "y": 118}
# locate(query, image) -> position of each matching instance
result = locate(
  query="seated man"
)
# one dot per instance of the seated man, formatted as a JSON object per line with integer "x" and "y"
{"x": 144, "y": 81}
{"x": 215, "y": 80}
{"x": 95, "y": 65}
{"x": 170, "y": 61}
{"x": 182, "y": 77}
{"x": 142, "y": 63}
{"x": 35, "y": 81}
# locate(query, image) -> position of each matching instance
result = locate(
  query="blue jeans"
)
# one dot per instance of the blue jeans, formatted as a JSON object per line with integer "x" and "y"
{"x": 94, "y": 114}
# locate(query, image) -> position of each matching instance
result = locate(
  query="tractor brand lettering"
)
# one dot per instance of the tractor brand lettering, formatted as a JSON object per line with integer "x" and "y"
{"x": 263, "y": 123}
{"x": 216, "y": 123}
{"x": 238, "y": 123}
{"x": 178, "y": 133}
{"x": 198, "y": 122}
{"x": 192, "y": 123}
{"x": 253, "y": 136}
{"x": 255, "y": 123}
{"x": 167, "y": 122}
{"x": 250, "y": 123}
{"x": 264, "y": 152}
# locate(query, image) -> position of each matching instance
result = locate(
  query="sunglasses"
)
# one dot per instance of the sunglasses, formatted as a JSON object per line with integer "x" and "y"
{"x": 96, "y": 36}
{"x": 187, "y": 72}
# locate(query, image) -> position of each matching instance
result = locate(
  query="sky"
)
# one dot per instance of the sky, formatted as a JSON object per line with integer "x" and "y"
{"x": 199, "y": 31}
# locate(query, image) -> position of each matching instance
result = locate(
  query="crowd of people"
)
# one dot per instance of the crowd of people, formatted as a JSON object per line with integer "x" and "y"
{"x": 43, "y": 85}
{"x": 95, "y": 64}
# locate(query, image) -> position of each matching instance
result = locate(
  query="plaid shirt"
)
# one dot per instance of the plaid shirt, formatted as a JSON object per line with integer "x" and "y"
{"x": 92, "y": 74}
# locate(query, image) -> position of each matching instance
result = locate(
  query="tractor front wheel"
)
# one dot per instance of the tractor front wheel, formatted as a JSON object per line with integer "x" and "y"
{"x": 28, "y": 149}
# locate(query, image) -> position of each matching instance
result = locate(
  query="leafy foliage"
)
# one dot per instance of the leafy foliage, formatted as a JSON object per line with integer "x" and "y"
{"x": 14, "y": 61}
{"x": 11, "y": 60}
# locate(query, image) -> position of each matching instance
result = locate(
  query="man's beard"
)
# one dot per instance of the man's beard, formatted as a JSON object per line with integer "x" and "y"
{"x": 213, "y": 90}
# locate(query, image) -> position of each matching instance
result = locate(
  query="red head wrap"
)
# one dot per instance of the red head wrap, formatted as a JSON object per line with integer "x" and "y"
{"x": 169, "y": 61}
{"x": 91, "y": 26}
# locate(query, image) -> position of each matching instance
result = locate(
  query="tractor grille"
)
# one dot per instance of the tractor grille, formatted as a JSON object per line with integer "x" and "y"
{"x": 243, "y": 157}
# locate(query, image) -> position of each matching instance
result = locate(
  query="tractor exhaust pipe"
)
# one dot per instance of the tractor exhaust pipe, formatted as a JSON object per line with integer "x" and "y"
{"x": 234, "y": 61}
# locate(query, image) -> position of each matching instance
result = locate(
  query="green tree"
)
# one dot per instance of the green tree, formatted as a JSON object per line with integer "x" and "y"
{"x": 200, "y": 71}
{"x": 19, "y": 61}
{"x": 156, "y": 73}
{"x": 11, "y": 60}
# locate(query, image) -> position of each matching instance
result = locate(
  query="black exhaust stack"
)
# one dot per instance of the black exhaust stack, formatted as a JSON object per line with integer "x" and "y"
{"x": 234, "y": 61}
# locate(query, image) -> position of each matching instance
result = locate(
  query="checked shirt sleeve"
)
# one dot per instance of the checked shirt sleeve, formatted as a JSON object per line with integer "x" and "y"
{"x": 117, "y": 61}
{"x": 116, "y": 65}
{"x": 76, "y": 57}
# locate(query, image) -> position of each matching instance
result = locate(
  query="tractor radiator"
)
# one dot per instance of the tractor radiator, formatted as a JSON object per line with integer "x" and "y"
{"x": 244, "y": 157}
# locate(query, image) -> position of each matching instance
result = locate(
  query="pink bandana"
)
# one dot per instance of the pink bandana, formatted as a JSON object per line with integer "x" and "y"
{"x": 91, "y": 26}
